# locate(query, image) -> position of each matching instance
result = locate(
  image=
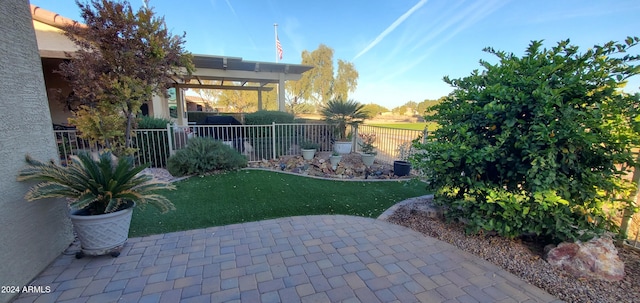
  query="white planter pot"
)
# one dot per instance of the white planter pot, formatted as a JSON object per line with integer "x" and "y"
{"x": 342, "y": 147}
{"x": 334, "y": 161}
{"x": 308, "y": 154}
{"x": 102, "y": 234}
{"x": 368, "y": 159}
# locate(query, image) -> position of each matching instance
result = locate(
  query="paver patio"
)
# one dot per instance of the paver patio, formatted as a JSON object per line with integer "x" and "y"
{"x": 297, "y": 259}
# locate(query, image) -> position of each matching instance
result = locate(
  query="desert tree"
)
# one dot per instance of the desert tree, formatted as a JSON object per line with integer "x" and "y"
{"x": 322, "y": 83}
{"x": 124, "y": 57}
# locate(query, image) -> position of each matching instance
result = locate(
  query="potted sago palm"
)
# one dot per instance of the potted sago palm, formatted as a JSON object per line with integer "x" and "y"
{"x": 101, "y": 195}
{"x": 343, "y": 113}
{"x": 367, "y": 150}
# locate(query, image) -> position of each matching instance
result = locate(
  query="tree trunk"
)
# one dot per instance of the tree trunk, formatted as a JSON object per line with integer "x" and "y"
{"x": 626, "y": 217}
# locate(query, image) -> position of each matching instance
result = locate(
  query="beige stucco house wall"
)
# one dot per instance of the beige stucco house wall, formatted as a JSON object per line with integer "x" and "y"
{"x": 33, "y": 233}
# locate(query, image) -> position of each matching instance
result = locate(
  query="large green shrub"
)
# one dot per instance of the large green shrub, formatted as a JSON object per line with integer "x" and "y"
{"x": 266, "y": 117}
{"x": 148, "y": 122}
{"x": 537, "y": 144}
{"x": 204, "y": 155}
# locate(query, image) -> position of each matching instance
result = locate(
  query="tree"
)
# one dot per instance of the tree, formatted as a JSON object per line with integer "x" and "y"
{"x": 321, "y": 76}
{"x": 124, "y": 57}
{"x": 320, "y": 84}
{"x": 400, "y": 110}
{"x": 210, "y": 96}
{"x": 374, "y": 109}
{"x": 240, "y": 101}
{"x": 346, "y": 81}
{"x": 423, "y": 106}
{"x": 537, "y": 144}
{"x": 243, "y": 101}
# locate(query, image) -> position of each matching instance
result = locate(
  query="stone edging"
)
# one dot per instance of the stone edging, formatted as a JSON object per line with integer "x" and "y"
{"x": 323, "y": 178}
{"x": 387, "y": 213}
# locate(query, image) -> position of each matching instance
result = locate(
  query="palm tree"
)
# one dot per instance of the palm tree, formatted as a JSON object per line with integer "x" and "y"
{"x": 100, "y": 187}
{"x": 343, "y": 113}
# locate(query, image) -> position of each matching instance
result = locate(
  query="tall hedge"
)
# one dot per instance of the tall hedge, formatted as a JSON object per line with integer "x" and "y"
{"x": 264, "y": 117}
{"x": 539, "y": 143}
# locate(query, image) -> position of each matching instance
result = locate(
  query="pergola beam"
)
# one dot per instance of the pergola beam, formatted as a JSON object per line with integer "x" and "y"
{"x": 229, "y": 87}
{"x": 237, "y": 75}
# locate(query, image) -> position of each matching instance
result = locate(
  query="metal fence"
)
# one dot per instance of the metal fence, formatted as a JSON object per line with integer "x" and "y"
{"x": 152, "y": 146}
{"x": 257, "y": 142}
{"x": 391, "y": 143}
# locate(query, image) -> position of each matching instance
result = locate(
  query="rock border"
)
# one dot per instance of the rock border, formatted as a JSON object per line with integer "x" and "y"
{"x": 387, "y": 213}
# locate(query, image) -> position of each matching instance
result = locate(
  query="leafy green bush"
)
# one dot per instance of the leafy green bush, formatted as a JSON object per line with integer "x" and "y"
{"x": 264, "y": 117}
{"x": 148, "y": 122}
{"x": 537, "y": 144}
{"x": 204, "y": 155}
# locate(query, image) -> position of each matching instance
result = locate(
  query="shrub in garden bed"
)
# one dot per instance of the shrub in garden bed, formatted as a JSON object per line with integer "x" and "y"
{"x": 536, "y": 144}
{"x": 204, "y": 155}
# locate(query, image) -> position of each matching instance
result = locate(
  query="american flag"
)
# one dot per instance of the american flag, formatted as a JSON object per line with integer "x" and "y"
{"x": 279, "y": 48}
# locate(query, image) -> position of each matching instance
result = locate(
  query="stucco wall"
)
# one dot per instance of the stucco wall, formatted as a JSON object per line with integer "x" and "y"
{"x": 32, "y": 233}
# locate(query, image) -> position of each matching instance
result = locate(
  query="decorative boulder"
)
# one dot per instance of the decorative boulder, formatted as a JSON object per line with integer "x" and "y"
{"x": 596, "y": 259}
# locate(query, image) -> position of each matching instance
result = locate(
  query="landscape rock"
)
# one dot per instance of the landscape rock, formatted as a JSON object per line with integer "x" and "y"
{"x": 350, "y": 167}
{"x": 596, "y": 259}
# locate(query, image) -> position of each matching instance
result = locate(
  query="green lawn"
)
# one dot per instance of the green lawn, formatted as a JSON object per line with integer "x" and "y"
{"x": 414, "y": 126}
{"x": 251, "y": 195}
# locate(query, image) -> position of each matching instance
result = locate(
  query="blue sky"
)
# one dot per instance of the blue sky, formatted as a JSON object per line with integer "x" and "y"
{"x": 401, "y": 48}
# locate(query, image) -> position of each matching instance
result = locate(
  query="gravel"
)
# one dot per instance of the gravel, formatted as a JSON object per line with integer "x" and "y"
{"x": 524, "y": 259}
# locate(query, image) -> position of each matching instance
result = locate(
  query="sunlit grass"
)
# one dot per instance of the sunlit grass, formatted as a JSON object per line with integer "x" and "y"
{"x": 251, "y": 195}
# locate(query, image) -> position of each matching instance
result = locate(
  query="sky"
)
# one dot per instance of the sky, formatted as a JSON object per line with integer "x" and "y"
{"x": 401, "y": 49}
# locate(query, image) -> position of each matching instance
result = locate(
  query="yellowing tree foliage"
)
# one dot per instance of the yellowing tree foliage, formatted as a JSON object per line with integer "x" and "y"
{"x": 124, "y": 57}
{"x": 322, "y": 84}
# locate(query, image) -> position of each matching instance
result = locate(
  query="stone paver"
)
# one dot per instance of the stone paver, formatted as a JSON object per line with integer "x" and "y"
{"x": 296, "y": 259}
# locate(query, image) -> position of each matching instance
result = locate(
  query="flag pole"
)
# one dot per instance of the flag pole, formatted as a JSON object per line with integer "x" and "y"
{"x": 275, "y": 27}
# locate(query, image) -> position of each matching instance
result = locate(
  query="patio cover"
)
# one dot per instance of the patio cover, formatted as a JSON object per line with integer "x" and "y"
{"x": 252, "y": 75}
